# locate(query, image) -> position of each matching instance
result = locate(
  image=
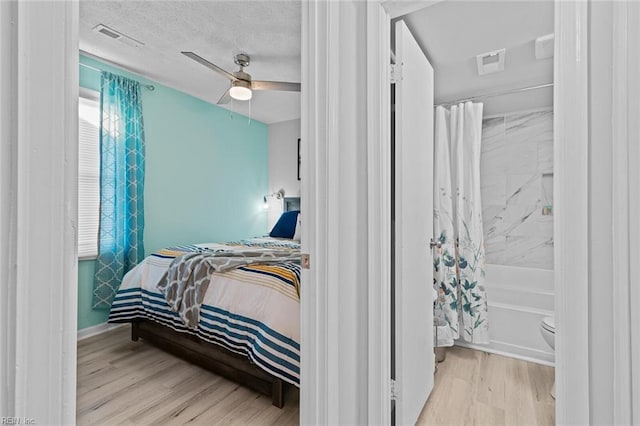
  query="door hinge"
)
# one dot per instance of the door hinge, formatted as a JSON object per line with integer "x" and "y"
{"x": 395, "y": 73}
{"x": 393, "y": 390}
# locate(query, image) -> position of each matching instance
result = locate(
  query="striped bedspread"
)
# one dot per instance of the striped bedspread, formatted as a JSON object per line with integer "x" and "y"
{"x": 253, "y": 310}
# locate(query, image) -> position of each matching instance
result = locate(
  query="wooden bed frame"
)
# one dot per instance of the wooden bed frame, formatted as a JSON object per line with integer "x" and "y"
{"x": 210, "y": 356}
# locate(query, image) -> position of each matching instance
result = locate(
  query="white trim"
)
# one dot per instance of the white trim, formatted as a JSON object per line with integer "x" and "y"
{"x": 95, "y": 330}
{"x": 620, "y": 211}
{"x": 329, "y": 34}
{"x": 334, "y": 196}
{"x": 633, "y": 37}
{"x": 626, "y": 205}
{"x": 511, "y": 351}
{"x": 44, "y": 131}
{"x": 311, "y": 384}
{"x": 8, "y": 201}
{"x": 314, "y": 369}
{"x": 633, "y": 112}
{"x": 379, "y": 215}
{"x": 570, "y": 213}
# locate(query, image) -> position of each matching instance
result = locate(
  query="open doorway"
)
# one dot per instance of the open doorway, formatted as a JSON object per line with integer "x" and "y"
{"x": 219, "y": 166}
{"x": 493, "y": 205}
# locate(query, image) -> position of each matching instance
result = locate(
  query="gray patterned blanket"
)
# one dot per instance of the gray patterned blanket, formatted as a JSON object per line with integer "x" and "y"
{"x": 188, "y": 277}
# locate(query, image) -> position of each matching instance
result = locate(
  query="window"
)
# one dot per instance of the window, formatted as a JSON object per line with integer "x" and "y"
{"x": 88, "y": 174}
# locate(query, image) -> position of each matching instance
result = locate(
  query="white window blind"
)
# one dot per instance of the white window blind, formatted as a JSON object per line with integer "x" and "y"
{"x": 88, "y": 174}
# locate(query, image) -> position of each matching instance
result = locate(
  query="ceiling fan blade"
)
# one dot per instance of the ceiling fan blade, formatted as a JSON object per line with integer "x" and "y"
{"x": 209, "y": 65}
{"x": 226, "y": 98}
{"x": 275, "y": 85}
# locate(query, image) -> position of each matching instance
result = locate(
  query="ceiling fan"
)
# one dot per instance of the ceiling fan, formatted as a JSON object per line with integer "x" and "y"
{"x": 242, "y": 86}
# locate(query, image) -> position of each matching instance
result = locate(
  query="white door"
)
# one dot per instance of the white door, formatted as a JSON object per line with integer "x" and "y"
{"x": 414, "y": 359}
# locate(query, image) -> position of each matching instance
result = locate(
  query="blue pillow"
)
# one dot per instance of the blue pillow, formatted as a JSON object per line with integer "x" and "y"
{"x": 286, "y": 225}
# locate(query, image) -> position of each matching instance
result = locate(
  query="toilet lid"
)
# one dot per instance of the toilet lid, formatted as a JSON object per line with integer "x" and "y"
{"x": 549, "y": 324}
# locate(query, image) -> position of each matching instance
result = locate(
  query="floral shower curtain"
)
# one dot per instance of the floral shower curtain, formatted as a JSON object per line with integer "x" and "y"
{"x": 120, "y": 245}
{"x": 461, "y": 305}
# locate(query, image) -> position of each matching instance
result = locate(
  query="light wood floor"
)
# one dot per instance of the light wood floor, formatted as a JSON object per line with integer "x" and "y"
{"x": 125, "y": 382}
{"x": 473, "y": 388}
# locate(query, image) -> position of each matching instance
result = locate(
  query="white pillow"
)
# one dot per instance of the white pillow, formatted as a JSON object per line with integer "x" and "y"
{"x": 296, "y": 235}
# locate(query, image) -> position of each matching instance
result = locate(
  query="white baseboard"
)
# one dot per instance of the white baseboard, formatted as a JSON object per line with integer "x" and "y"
{"x": 512, "y": 351}
{"x": 97, "y": 329}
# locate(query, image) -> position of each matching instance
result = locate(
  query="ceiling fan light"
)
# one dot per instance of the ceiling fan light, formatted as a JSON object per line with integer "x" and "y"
{"x": 240, "y": 90}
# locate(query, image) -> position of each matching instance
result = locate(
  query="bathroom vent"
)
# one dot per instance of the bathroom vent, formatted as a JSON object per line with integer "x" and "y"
{"x": 491, "y": 62}
{"x": 117, "y": 35}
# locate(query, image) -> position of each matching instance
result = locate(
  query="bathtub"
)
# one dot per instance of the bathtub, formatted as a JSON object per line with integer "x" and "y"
{"x": 518, "y": 299}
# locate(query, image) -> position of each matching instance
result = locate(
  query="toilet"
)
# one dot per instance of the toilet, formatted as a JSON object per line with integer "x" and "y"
{"x": 548, "y": 331}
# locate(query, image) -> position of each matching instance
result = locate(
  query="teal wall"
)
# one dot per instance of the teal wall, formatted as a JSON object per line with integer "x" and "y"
{"x": 206, "y": 174}
{"x": 87, "y": 316}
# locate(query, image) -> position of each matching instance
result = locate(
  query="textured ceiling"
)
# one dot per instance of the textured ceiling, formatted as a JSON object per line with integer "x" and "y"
{"x": 269, "y": 31}
{"x": 452, "y": 33}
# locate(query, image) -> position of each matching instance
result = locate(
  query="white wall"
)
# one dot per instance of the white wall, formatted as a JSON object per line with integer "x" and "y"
{"x": 283, "y": 164}
{"x": 516, "y": 182}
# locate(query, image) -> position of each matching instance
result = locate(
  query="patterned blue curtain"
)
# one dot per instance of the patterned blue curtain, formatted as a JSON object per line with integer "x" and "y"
{"x": 120, "y": 245}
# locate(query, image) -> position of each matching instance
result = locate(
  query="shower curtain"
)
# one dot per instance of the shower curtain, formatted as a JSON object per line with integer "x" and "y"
{"x": 461, "y": 304}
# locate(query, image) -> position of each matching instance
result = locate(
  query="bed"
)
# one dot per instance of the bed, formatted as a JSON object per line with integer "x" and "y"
{"x": 246, "y": 324}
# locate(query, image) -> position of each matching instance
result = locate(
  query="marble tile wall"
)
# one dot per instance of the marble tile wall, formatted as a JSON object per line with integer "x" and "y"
{"x": 516, "y": 179}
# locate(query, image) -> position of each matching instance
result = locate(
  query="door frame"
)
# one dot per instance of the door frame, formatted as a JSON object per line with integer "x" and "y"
{"x": 632, "y": 61}
{"x": 379, "y": 202}
{"x": 571, "y": 214}
{"x": 625, "y": 208}
{"x": 571, "y": 224}
{"x": 38, "y": 221}
{"x": 345, "y": 106}
{"x": 576, "y": 355}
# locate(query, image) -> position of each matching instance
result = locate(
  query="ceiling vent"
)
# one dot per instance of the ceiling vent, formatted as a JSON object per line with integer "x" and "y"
{"x": 117, "y": 35}
{"x": 491, "y": 62}
{"x": 544, "y": 46}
